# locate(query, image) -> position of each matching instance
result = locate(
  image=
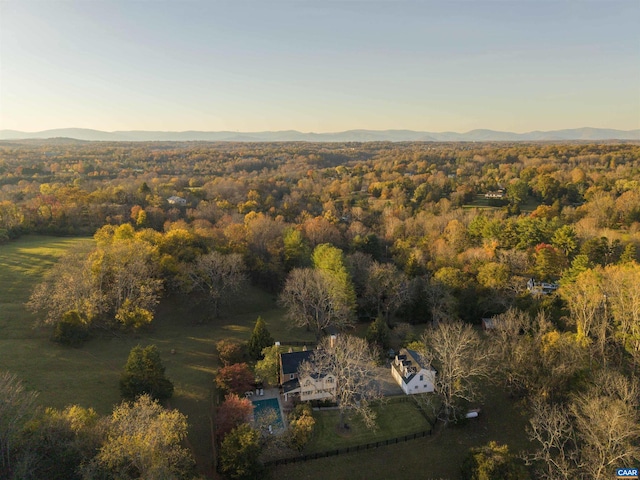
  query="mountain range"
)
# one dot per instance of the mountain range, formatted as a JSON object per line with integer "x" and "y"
{"x": 346, "y": 136}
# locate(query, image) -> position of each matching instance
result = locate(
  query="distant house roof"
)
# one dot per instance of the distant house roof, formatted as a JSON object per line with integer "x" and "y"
{"x": 542, "y": 288}
{"x": 488, "y": 323}
{"x": 176, "y": 200}
{"x": 498, "y": 194}
{"x": 331, "y": 330}
{"x": 292, "y": 360}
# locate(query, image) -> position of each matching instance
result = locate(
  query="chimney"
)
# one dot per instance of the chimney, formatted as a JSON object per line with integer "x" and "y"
{"x": 332, "y": 341}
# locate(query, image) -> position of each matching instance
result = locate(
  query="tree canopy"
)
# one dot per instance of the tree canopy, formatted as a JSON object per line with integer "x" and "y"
{"x": 144, "y": 373}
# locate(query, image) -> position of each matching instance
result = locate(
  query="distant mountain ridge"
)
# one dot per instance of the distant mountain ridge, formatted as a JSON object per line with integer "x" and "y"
{"x": 585, "y": 133}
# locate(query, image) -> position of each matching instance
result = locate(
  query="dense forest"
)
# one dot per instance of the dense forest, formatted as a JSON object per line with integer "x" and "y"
{"x": 540, "y": 237}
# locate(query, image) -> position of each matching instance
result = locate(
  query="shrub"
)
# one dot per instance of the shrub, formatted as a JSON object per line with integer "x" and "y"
{"x": 71, "y": 330}
{"x": 301, "y": 422}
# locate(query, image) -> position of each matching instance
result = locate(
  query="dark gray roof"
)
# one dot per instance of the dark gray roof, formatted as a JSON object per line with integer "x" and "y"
{"x": 291, "y": 361}
{"x": 290, "y": 385}
{"x": 416, "y": 358}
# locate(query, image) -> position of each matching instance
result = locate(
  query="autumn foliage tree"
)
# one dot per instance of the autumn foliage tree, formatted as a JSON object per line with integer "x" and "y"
{"x": 236, "y": 378}
{"x": 143, "y": 440}
{"x": 230, "y": 351}
{"x": 233, "y": 412}
{"x": 240, "y": 452}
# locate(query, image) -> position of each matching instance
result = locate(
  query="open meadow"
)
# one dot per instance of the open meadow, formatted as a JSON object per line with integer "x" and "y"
{"x": 88, "y": 376}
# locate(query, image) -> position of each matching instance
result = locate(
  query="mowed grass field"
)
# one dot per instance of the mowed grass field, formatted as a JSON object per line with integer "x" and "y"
{"x": 88, "y": 376}
{"x": 439, "y": 456}
{"x": 394, "y": 419}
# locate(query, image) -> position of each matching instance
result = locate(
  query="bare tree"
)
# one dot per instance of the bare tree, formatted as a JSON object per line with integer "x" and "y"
{"x": 443, "y": 304}
{"x": 68, "y": 286}
{"x": 16, "y": 407}
{"x": 607, "y": 424}
{"x": 219, "y": 276}
{"x": 387, "y": 288}
{"x": 128, "y": 272}
{"x": 514, "y": 348}
{"x": 310, "y": 301}
{"x": 461, "y": 359}
{"x": 114, "y": 275}
{"x": 352, "y": 363}
{"x": 557, "y": 456}
{"x": 596, "y": 432}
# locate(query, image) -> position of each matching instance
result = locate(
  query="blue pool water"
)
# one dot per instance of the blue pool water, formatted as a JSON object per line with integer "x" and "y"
{"x": 263, "y": 406}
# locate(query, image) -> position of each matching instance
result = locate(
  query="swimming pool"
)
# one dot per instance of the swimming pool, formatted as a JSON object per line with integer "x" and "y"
{"x": 265, "y": 408}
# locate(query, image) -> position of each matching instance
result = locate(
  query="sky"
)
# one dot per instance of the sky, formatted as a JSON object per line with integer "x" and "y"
{"x": 319, "y": 66}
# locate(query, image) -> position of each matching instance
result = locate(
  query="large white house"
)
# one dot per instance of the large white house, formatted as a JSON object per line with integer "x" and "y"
{"x": 309, "y": 387}
{"x": 412, "y": 372}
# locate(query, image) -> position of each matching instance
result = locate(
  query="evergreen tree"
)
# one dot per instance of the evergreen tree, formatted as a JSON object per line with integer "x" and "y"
{"x": 260, "y": 339}
{"x": 144, "y": 373}
{"x": 378, "y": 333}
{"x": 629, "y": 254}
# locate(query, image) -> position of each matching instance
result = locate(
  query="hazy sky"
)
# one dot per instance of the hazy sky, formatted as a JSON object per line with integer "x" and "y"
{"x": 319, "y": 65}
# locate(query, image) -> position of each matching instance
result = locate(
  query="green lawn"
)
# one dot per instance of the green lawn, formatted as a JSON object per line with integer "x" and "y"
{"x": 394, "y": 419}
{"x": 435, "y": 457}
{"x": 89, "y": 376}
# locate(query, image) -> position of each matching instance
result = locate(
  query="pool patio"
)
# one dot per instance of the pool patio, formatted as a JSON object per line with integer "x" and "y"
{"x": 270, "y": 400}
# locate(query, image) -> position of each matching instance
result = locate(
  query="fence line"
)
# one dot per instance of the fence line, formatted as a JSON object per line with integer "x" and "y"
{"x": 350, "y": 449}
{"x": 298, "y": 343}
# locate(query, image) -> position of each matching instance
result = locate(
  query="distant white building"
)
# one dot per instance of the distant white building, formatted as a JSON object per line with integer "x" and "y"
{"x": 413, "y": 373}
{"x": 177, "y": 201}
{"x": 497, "y": 194}
{"x": 541, "y": 288}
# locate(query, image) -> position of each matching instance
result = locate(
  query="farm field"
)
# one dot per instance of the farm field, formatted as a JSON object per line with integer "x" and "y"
{"x": 88, "y": 376}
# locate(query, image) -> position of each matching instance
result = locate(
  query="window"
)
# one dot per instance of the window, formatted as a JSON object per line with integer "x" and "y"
{"x": 329, "y": 379}
{"x": 291, "y": 376}
{"x": 417, "y": 387}
{"x": 421, "y": 378}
